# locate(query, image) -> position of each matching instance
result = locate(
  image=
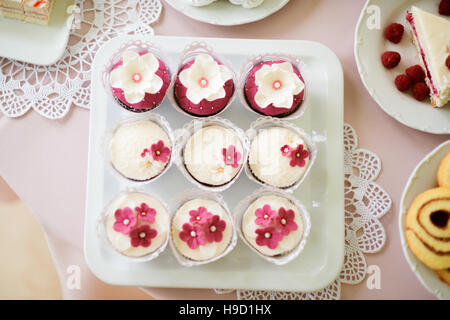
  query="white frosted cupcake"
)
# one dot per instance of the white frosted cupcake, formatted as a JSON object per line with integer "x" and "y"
{"x": 278, "y": 157}
{"x": 140, "y": 150}
{"x": 137, "y": 224}
{"x": 213, "y": 155}
{"x": 201, "y": 230}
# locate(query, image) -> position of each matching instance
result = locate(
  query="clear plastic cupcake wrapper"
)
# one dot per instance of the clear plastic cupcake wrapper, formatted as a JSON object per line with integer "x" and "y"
{"x": 178, "y": 201}
{"x": 257, "y": 59}
{"x": 189, "y": 53}
{"x": 185, "y": 133}
{"x": 136, "y": 46}
{"x": 241, "y": 208}
{"x": 106, "y": 243}
{"x": 109, "y": 134}
{"x": 269, "y": 122}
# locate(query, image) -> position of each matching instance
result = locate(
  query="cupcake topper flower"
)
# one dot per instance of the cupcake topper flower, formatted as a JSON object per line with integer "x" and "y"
{"x": 264, "y": 215}
{"x": 285, "y": 221}
{"x": 142, "y": 236}
{"x": 205, "y": 79}
{"x": 145, "y": 213}
{"x": 193, "y": 235}
{"x": 160, "y": 152}
{"x": 231, "y": 157}
{"x": 277, "y": 85}
{"x": 298, "y": 156}
{"x": 221, "y": 172}
{"x": 268, "y": 237}
{"x": 136, "y": 76}
{"x": 201, "y": 215}
{"x": 125, "y": 220}
{"x": 285, "y": 150}
{"x": 214, "y": 228}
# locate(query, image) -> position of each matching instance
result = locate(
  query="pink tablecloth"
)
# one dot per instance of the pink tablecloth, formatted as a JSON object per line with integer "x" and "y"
{"x": 45, "y": 161}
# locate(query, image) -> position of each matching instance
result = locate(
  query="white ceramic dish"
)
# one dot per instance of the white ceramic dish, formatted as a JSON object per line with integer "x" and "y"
{"x": 370, "y": 44}
{"x": 423, "y": 178}
{"x": 322, "y": 192}
{"x": 227, "y": 14}
{"x": 36, "y": 44}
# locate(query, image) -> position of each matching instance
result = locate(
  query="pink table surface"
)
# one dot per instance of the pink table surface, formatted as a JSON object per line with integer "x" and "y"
{"x": 45, "y": 161}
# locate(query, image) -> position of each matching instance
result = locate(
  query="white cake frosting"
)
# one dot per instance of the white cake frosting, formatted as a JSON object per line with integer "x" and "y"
{"x": 203, "y": 155}
{"x": 208, "y": 250}
{"x": 129, "y": 142}
{"x": 267, "y": 162}
{"x": 122, "y": 242}
{"x": 289, "y": 242}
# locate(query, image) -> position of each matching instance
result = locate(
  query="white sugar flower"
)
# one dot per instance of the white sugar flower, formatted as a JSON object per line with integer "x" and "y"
{"x": 277, "y": 85}
{"x": 205, "y": 79}
{"x": 247, "y": 3}
{"x": 136, "y": 76}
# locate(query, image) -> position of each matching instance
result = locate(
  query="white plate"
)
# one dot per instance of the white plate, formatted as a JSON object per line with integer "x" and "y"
{"x": 424, "y": 177}
{"x": 370, "y": 44}
{"x": 322, "y": 192}
{"x": 36, "y": 44}
{"x": 227, "y": 14}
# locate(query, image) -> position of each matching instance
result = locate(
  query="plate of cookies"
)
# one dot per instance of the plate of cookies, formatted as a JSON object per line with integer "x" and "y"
{"x": 215, "y": 163}
{"x": 424, "y": 221}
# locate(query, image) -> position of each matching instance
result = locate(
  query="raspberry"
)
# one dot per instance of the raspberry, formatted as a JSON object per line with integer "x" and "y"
{"x": 444, "y": 7}
{"x": 420, "y": 91}
{"x": 402, "y": 82}
{"x": 394, "y": 32}
{"x": 447, "y": 61}
{"x": 390, "y": 59}
{"x": 416, "y": 73}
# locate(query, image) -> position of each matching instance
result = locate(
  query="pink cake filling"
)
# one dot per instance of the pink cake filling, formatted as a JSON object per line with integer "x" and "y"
{"x": 410, "y": 19}
{"x": 251, "y": 89}
{"x": 150, "y": 100}
{"x": 204, "y": 107}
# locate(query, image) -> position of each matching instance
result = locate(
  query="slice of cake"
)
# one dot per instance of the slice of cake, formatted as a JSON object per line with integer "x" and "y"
{"x": 12, "y": 9}
{"x": 38, "y": 11}
{"x": 431, "y": 35}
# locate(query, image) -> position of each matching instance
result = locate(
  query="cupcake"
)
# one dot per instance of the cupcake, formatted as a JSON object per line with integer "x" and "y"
{"x": 213, "y": 155}
{"x": 140, "y": 150}
{"x": 137, "y": 224}
{"x": 203, "y": 86}
{"x": 201, "y": 230}
{"x": 278, "y": 157}
{"x": 274, "y": 88}
{"x": 139, "y": 81}
{"x": 273, "y": 225}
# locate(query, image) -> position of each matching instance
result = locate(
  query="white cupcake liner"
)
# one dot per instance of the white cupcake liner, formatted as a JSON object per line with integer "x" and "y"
{"x": 136, "y": 46}
{"x": 106, "y": 141}
{"x": 177, "y": 202}
{"x": 190, "y": 52}
{"x": 241, "y": 208}
{"x": 106, "y": 243}
{"x": 185, "y": 133}
{"x": 269, "y": 122}
{"x": 257, "y": 59}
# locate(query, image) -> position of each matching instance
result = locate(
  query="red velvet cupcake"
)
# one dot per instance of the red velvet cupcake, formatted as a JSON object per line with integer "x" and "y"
{"x": 204, "y": 86}
{"x": 274, "y": 88}
{"x": 139, "y": 81}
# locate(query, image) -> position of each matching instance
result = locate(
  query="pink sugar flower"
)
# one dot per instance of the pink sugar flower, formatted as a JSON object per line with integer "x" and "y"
{"x": 231, "y": 157}
{"x": 193, "y": 235}
{"x": 285, "y": 150}
{"x": 125, "y": 220}
{"x": 201, "y": 215}
{"x": 298, "y": 156}
{"x": 268, "y": 237}
{"x": 160, "y": 152}
{"x": 285, "y": 221}
{"x": 265, "y": 215}
{"x": 145, "y": 213}
{"x": 214, "y": 228}
{"x": 142, "y": 236}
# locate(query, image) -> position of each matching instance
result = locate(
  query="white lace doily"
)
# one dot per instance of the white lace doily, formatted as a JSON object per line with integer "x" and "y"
{"x": 365, "y": 203}
{"x": 51, "y": 90}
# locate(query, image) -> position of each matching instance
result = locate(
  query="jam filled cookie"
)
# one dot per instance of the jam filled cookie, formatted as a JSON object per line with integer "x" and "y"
{"x": 443, "y": 174}
{"x": 428, "y": 228}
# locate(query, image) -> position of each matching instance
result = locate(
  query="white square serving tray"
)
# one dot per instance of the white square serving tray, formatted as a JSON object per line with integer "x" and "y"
{"x": 322, "y": 192}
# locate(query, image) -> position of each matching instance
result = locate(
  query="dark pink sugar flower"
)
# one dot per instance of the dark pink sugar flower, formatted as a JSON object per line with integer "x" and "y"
{"x": 214, "y": 228}
{"x": 145, "y": 213}
{"x": 193, "y": 235}
{"x": 285, "y": 221}
{"x": 268, "y": 237}
{"x": 298, "y": 156}
{"x": 201, "y": 215}
{"x": 265, "y": 215}
{"x": 231, "y": 157}
{"x": 125, "y": 220}
{"x": 160, "y": 152}
{"x": 285, "y": 150}
{"x": 142, "y": 236}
